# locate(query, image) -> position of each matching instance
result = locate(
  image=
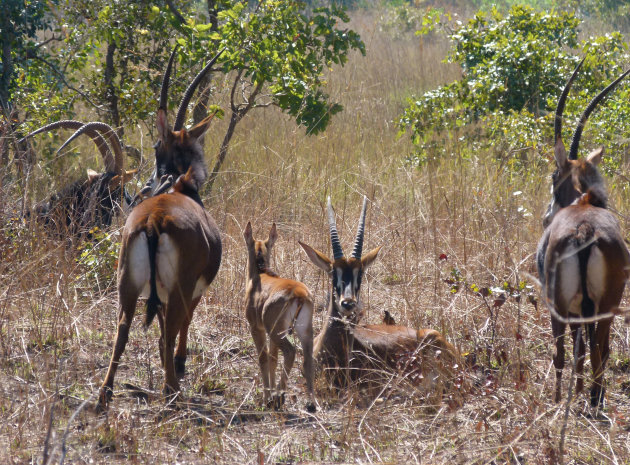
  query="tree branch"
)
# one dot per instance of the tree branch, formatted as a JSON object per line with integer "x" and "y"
{"x": 175, "y": 12}
{"x": 63, "y": 80}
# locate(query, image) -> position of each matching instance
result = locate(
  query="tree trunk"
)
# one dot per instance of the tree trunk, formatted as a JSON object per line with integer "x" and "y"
{"x": 111, "y": 96}
{"x": 236, "y": 117}
{"x": 7, "y": 64}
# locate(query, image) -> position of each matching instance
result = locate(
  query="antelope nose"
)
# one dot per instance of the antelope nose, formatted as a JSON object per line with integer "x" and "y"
{"x": 348, "y": 304}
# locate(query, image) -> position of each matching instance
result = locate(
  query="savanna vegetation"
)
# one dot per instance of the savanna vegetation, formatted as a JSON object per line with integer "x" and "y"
{"x": 440, "y": 112}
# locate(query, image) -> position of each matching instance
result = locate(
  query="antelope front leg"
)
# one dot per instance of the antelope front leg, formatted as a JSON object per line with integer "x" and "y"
{"x": 260, "y": 340}
{"x": 288, "y": 353}
{"x": 173, "y": 320}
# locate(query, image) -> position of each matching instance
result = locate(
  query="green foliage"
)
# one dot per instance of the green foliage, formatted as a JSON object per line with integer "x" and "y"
{"x": 20, "y": 70}
{"x": 98, "y": 259}
{"x": 513, "y": 68}
{"x": 279, "y": 52}
{"x": 399, "y": 20}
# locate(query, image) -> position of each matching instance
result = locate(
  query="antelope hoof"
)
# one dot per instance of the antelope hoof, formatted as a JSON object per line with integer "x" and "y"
{"x": 597, "y": 397}
{"x": 169, "y": 392}
{"x": 310, "y": 407}
{"x": 180, "y": 366}
{"x": 104, "y": 398}
{"x": 276, "y": 402}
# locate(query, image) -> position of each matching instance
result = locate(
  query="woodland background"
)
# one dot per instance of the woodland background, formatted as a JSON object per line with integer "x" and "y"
{"x": 439, "y": 111}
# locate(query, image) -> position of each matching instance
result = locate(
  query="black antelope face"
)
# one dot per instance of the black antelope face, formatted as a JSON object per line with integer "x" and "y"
{"x": 346, "y": 284}
{"x": 346, "y": 273}
{"x": 572, "y": 178}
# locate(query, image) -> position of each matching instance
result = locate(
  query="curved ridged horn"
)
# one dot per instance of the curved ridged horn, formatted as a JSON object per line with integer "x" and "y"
{"x": 358, "y": 242}
{"x": 183, "y": 106}
{"x": 561, "y": 102}
{"x": 334, "y": 237}
{"x": 575, "y": 143}
{"x": 111, "y": 136}
{"x": 101, "y": 144}
{"x": 166, "y": 79}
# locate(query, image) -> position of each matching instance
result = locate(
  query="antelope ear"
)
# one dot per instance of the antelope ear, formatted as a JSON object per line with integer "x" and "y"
{"x": 200, "y": 128}
{"x": 247, "y": 234}
{"x": 560, "y": 154}
{"x": 319, "y": 259}
{"x": 595, "y": 157}
{"x": 124, "y": 178}
{"x": 92, "y": 175}
{"x": 369, "y": 257}
{"x": 273, "y": 235}
{"x": 164, "y": 131}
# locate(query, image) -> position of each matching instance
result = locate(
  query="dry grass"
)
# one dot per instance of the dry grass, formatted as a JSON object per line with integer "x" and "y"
{"x": 56, "y": 329}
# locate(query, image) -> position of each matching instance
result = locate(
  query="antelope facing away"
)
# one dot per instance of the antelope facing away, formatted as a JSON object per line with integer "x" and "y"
{"x": 349, "y": 350}
{"x": 171, "y": 252}
{"x": 582, "y": 259}
{"x": 275, "y": 306}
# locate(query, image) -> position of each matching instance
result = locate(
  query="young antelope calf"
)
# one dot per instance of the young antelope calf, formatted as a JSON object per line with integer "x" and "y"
{"x": 275, "y": 306}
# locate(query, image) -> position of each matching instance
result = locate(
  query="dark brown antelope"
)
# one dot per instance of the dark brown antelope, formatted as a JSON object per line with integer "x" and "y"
{"x": 172, "y": 158}
{"x": 85, "y": 203}
{"x": 171, "y": 252}
{"x": 357, "y": 349}
{"x": 582, "y": 259}
{"x": 276, "y": 307}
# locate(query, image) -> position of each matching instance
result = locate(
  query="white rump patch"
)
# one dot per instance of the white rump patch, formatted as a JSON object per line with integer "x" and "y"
{"x": 167, "y": 264}
{"x": 138, "y": 254}
{"x": 596, "y": 276}
{"x": 567, "y": 284}
{"x": 200, "y": 287}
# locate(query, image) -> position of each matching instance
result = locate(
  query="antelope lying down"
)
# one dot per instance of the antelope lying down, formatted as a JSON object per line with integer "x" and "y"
{"x": 275, "y": 307}
{"x": 582, "y": 259}
{"x": 348, "y": 350}
{"x": 93, "y": 201}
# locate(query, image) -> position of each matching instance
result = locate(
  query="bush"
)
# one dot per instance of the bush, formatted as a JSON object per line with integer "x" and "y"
{"x": 514, "y": 68}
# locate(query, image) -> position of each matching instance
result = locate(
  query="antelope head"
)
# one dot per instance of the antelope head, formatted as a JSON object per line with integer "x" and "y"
{"x": 573, "y": 177}
{"x": 91, "y": 201}
{"x": 177, "y": 148}
{"x": 346, "y": 272}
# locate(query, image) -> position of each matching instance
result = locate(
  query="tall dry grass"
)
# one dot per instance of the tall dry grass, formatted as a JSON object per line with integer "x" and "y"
{"x": 459, "y": 221}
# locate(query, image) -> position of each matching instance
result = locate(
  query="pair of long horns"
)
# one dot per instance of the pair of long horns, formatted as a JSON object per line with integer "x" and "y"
{"x": 575, "y": 142}
{"x": 100, "y": 133}
{"x": 334, "y": 236}
{"x": 183, "y": 105}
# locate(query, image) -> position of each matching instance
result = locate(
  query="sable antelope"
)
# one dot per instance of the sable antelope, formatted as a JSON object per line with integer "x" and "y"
{"x": 86, "y": 203}
{"x": 346, "y": 344}
{"x": 582, "y": 259}
{"x": 275, "y": 306}
{"x": 172, "y": 158}
{"x": 171, "y": 250}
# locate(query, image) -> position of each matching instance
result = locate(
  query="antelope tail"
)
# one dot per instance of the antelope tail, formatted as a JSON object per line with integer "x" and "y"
{"x": 153, "y": 303}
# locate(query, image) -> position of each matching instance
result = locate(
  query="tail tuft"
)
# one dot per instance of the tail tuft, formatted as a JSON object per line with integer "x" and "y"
{"x": 153, "y": 303}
